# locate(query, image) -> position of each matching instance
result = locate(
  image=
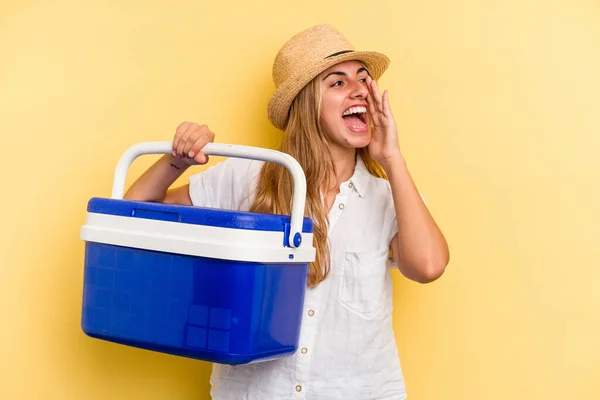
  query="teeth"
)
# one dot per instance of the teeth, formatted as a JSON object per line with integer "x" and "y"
{"x": 355, "y": 110}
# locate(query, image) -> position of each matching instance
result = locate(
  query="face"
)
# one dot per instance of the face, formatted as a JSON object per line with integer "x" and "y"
{"x": 344, "y": 105}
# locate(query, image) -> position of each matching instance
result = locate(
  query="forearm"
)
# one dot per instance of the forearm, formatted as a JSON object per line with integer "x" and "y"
{"x": 420, "y": 248}
{"x": 154, "y": 183}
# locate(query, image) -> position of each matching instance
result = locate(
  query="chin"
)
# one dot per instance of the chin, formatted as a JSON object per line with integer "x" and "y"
{"x": 358, "y": 140}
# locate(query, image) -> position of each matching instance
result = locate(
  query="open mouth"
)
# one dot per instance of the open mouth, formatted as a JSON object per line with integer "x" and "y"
{"x": 355, "y": 118}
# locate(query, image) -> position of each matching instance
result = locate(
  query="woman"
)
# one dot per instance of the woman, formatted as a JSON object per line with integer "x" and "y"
{"x": 362, "y": 200}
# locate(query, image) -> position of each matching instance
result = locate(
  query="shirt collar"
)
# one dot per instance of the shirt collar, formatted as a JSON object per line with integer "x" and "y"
{"x": 360, "y": 178}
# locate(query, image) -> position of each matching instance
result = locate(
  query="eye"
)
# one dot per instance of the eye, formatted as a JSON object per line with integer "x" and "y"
{"x": 338, "y": 83}
{"x": 363, "y": 80}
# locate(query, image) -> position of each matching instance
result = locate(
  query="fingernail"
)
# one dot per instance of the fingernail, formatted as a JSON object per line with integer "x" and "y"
{"x": 191, "y": 154}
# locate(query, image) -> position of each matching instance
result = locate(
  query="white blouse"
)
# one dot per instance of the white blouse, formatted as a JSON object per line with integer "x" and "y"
{"x": 347, "y": 347}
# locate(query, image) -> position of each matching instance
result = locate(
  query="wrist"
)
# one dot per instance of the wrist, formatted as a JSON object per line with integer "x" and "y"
{"x": 177, "y": 163}
{"x": 391, "y": 160}
{"x": 393, "y": 163}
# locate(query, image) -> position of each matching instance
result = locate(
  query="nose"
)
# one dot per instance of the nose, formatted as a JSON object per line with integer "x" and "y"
{"x": 359, "y": 90}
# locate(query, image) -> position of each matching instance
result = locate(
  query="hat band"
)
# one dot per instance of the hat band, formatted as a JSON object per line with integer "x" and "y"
{"x": 339, "y": 53}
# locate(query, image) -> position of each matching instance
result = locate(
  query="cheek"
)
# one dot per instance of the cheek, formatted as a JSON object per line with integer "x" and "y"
{"x": 330, "y": 110}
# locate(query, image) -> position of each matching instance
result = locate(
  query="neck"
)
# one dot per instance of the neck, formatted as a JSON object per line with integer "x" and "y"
{"x": 344, "y": 161}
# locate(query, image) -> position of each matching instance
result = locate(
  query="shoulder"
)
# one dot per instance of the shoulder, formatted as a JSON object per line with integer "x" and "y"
{"x": 237, "y": 165}
{"x": 382, "y": 187}
{"x": 242, "y": 164}
{"x": 379, "y": 187}
{"x": 225, "y": 184}
{"x": 231, "y": 169}
{"x": 245, "y": 171}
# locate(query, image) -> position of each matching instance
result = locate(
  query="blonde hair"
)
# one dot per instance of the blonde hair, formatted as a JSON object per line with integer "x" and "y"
{"x": 305, "y": 140}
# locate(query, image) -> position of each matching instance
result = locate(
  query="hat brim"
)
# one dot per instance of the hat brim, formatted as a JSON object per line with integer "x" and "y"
{"x": 280, "y": 102}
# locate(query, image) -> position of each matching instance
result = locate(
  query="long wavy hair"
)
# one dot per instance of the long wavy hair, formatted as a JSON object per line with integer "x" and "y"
{"x": 305, "y": 140}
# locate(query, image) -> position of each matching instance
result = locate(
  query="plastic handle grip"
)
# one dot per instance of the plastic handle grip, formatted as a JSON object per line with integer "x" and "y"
{"x": 226, "y": 150}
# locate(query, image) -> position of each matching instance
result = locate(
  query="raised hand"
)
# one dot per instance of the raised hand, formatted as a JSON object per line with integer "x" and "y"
{"x": 384, "y": 135}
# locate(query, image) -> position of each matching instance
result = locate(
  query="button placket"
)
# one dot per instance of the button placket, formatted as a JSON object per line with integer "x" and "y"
{"x": 339, "y": 203}
{"x": 306, "y": 340}
{"x": 307, "y": 344}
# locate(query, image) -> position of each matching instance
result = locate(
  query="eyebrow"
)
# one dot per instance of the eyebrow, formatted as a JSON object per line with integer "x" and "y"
{"x": 340, "y": 73}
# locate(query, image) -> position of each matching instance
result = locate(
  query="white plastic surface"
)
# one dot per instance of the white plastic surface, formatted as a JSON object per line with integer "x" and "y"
{"x": 195, "y": 240}
{"x": 227, "y": 150}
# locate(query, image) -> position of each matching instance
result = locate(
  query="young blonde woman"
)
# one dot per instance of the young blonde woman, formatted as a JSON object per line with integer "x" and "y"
{"x": 363, "y": 202}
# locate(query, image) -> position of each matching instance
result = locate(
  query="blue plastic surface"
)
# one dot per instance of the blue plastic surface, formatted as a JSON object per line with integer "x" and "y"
{"x": 215, "y": 310}
{"x": 297, "y": 239}
{"x": 194, "y": 215}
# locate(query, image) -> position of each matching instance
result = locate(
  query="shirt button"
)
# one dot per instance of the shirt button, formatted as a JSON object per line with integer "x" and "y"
{"x": 350, "y": 185}
{"x": 298, "y": 388}
{"x": 304, "y": 350}
{"x": 342, "y": 206}
{"x": 311, "y": 313}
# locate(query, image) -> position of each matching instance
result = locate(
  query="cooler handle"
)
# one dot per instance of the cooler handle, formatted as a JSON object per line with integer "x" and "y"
{"x": 226, "y": 150}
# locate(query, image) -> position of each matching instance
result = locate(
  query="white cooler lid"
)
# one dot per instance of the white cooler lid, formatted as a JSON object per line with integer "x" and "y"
{"x": 196, "y": 231}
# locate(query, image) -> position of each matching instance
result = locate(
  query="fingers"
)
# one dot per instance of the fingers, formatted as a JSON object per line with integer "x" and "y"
{"x": 189, "y": 139}
{"x": 374, "y": 91}
{"x": 181, "y": 136}
{"x": 386, "y": 103}
{"x": 370, "y": 101}
{"x": 374, "y": 99}
{"x": 195, "y": 151}
{"x": 195, "y": 134}
{"x": 181, "y": 129}
{"x": 182, "y": 140}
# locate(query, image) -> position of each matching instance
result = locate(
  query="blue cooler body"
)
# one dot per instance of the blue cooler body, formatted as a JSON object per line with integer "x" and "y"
{"x": 193, "y": 282}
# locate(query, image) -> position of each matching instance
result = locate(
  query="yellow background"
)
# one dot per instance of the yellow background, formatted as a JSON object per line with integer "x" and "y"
{"x": 498, "y": 108}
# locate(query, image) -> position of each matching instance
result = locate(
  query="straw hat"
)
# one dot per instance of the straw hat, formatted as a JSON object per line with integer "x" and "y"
{"x": 305, "y": 56}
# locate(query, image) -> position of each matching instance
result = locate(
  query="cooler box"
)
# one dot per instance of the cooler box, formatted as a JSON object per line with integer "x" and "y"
{"x": 215, "y": 285}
